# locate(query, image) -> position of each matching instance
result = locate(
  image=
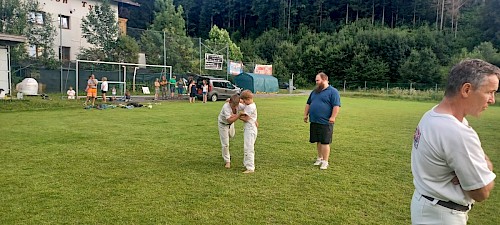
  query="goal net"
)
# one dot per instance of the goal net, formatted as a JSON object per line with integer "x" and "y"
{"x": 121, "y": 76}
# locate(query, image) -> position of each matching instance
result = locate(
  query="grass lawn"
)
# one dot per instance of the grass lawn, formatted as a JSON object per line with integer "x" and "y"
{"x": 164, "y": 166}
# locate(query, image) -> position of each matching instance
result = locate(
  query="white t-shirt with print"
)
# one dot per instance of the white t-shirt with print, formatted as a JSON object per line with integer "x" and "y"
{"x": 442, "y": 145}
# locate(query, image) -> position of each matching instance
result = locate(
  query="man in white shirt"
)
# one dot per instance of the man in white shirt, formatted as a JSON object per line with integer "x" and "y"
{"x": 227, "y": 116}
{"x": 450, "y": 169}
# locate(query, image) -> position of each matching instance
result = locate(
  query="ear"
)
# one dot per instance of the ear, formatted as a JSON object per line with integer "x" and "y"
{"x": 466, "y": 90}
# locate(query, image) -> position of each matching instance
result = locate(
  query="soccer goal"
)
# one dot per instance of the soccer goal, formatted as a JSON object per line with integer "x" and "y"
{"x": 121, "y": 76}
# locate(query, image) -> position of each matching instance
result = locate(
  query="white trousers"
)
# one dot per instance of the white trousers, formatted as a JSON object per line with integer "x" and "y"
{"x": 226, "y": 132}
{"x": 424, "y": 211}
{"x": 249, "y": 137}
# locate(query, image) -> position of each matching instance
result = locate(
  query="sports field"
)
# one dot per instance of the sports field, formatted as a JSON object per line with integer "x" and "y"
{"x": 163, "y": 166}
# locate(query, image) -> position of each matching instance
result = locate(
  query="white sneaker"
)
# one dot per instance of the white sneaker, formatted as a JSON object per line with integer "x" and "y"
{"x": 318, "y": 162}
{"x": 324, "y": 165}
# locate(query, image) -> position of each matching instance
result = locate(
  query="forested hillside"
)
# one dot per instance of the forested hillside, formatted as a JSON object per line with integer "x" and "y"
{"x": 352, "y": 40}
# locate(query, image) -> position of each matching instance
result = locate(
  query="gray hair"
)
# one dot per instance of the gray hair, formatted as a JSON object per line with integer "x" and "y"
{"x": 473, "y": 71}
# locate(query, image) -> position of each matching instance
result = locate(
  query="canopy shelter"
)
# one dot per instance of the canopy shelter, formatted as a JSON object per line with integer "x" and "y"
{"x": 257, "y": 82}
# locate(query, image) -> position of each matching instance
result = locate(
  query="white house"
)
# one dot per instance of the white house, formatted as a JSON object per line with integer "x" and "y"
{"x": 71, "y": 12}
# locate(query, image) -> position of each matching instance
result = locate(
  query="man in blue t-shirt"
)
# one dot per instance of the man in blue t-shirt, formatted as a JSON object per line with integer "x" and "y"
{"x": 323, "y": 106}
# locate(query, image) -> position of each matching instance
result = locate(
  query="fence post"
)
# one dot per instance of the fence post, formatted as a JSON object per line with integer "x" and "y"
{"x": 436, "y": 90}
{"x": 344, "y": 85}
{"x": 365, "y": 85}
{"x": 387, "y": 89}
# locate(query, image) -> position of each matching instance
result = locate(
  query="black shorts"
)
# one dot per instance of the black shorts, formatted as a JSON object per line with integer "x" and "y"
{"x": 104, "y": 92}
{"x": 192, "y": 95}
{"x": 321, "y": 133}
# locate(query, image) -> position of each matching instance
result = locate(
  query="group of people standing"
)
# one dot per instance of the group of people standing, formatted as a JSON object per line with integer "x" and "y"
{"x": 322, "y": 108}
{"x": 91, "y": 89}
{"x": 164, "y": 86}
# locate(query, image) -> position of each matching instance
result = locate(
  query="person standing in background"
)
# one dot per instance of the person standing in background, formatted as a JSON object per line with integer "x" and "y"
{"x": 104, "y": 88}
{"x": 192, "y": 92}
{"x": 204, "y": 88}
{"x": 171, "y": 85}
{"x": 91, "y": 89}
{"x": 322, "y": 108}
{"x": 163, "y": 84}
{"x": 180, "y": 88}
{"x": 157, "y": 89}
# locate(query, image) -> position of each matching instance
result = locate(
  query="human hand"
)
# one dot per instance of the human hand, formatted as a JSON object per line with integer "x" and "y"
{"x": 306, "y": 118}
{"x": 455, "y": 180}
{"x": 331, "y": 120}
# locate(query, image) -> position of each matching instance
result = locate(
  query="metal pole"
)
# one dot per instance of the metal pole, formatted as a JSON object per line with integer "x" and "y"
{"x": 227, "y": 55}
{"x": 199, "y": 43}
{"x": 9, "y": 71}
{"x": 77, "y": 75}
{"x": 164, "y": 51}
{"x": 61, "y": 52}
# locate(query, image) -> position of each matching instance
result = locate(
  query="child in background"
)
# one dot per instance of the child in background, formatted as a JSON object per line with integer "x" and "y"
{"x": 113, "y": 93}
{"x": 127, "y": 96}
{"x": 71, "y": 93}
{"x": 249, "y": 116}
{"x": 204, "y": 87}
{"x": 157, "y": 88}
{"x": 192, "y": 92}
{"x": 104, "y": 88}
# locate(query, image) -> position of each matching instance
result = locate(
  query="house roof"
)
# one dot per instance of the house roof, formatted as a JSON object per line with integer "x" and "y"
{"x": 8, "y": 39}
{"x": 129, "y": 2}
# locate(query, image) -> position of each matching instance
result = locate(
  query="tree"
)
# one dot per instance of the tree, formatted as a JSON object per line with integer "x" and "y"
{"x": 219, "y": 38}
{"x": 421, "y": 67}
{"x": 491, "y": 22}
{"x": 41, "y": 36}
{"x": 100, "y": 27}
{"x": 126, "y": 50}
{"x": 168, "y": 37}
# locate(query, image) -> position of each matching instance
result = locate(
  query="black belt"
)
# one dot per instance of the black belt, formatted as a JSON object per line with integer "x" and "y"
{"x": 224, "y": 124}
{"x": 450, "y": 205}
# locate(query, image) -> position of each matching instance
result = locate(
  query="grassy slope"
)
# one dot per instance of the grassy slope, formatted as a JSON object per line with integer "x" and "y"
{"x": 163, "y": 165}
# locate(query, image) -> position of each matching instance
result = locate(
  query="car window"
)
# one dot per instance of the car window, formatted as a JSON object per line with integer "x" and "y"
{"x": 217, "y": 84}
{"x": 230, "y": 86}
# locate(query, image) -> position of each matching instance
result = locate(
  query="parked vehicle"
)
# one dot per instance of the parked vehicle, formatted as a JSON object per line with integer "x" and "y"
{"x": 218, "y": 88}
{"x": 285, "y": 85}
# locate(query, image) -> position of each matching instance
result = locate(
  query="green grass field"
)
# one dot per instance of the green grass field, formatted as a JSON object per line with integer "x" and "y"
{"x": 163, "y": 166}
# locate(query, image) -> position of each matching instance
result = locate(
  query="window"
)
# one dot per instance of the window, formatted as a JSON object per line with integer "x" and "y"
{"x": 65, "y": 53}
{"x": 35, "y": 51}
{"x": 217, "y": 84}
{"x": 36, "y": 17}
{"x": 64, "y": 21}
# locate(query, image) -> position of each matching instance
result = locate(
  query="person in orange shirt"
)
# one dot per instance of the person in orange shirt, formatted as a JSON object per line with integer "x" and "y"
{"x": 91, "y": 89}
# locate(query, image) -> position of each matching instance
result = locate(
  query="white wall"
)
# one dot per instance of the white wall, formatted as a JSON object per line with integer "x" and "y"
{"x": 76, "y": 10}
{"x": 4, "y": 69}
